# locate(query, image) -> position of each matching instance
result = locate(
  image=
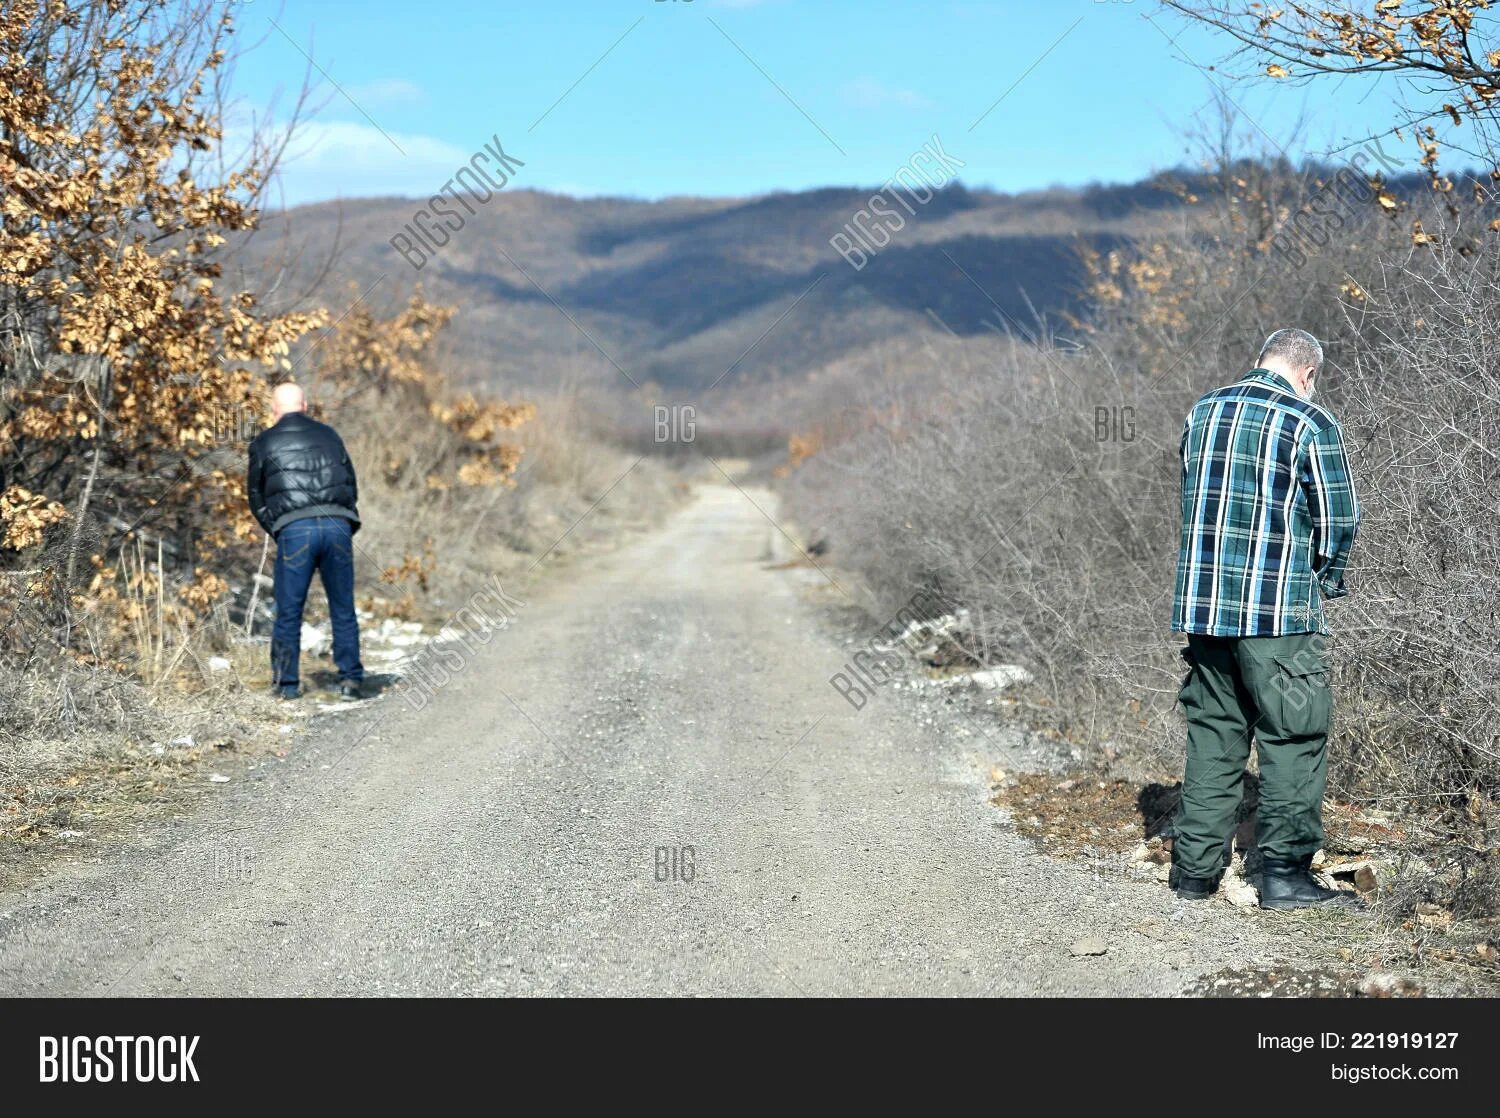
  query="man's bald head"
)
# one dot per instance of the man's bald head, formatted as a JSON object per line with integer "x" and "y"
{"x": 285, "y": 399}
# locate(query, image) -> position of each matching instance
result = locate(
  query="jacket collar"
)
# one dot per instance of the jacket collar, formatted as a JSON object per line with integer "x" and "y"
{"x": 1265, "y": 376}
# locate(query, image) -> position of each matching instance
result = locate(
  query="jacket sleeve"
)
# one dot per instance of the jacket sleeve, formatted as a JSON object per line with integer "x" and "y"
{"x": 353, "y": 477}
{"x": 255, "y": 485}
{"x": 1335, "y": 508}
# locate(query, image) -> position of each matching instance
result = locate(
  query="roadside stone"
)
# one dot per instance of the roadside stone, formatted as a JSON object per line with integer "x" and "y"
{"x": 999, "y": 677}
{"x": 1239, "y": 892}
{"x": 1365, "y": 875}
{"x": 1154, "y": 851}
{"x": 1381, "y": 984}
{"x": 1090, "y": 945}
{"x": 314, "y": 639}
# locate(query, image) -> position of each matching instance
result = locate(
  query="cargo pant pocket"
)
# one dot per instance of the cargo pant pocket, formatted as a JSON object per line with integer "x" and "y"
{"x": 1303, "y": 702}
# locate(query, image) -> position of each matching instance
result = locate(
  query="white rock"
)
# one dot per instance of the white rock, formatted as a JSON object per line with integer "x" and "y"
{"x": 999, "y": 677}
{"x": 218, "y": 664}
{"x": 314, "y": 640}
{"x": 404, "y": 640}
{"x": 217, "y": 779}
{"x": 185, "y": 742}
{"x": 918, "y": 633}
{"x": 914, "y": 632}
{"x": 1379, "y": 984}
{"x": 1239, "y": 892}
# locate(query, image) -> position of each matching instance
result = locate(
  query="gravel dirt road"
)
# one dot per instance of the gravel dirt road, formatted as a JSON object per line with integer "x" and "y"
{"x": 509, "y": 837}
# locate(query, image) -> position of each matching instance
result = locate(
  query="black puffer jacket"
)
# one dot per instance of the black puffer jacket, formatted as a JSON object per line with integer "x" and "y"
{"x": 299, "y": 468}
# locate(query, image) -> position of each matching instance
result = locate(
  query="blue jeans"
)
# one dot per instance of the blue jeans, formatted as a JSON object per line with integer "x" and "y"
{"x": 324, "y": 544}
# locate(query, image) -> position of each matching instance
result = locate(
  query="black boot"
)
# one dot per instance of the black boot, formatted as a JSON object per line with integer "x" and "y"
{"x": 1291, "y": 885}
{"x": 1201, "y": 888}
{"x": 1196, "y": 888}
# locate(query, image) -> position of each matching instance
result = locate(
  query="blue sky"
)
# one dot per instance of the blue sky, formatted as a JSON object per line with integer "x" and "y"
{"x": 648, "y": 98}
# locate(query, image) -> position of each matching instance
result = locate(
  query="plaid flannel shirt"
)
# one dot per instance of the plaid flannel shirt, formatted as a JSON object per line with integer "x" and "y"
{"x": 1268, "y": 512}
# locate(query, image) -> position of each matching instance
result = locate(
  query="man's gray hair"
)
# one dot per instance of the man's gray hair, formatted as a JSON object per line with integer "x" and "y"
{"x": 1297, "y": 348}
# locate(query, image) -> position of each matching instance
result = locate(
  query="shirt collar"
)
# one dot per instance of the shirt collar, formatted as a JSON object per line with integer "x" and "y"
{"x": 1266, "y": 376}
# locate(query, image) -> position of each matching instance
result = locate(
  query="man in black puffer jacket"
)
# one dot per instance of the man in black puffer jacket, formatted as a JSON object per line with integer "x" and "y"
{"x": 303, "y": 491}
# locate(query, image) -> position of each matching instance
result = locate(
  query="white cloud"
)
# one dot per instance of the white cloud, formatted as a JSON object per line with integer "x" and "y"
{"x": 328, "y": 159}
{"x": 869, "y": 93}
{"x": 385, "y": 93}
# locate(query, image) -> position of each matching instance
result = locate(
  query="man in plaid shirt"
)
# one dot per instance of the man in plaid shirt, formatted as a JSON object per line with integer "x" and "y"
{"x": 1268, "y": 518}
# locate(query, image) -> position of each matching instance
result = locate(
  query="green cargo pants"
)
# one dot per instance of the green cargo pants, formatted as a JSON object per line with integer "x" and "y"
{"x": 1276, "y": 690}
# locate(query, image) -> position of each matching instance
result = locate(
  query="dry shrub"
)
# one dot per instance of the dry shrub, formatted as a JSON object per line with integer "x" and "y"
{"x": 132, "y": 372}
{"x": 1037, "y": 484}
{"x": 1420, "y": 735}
{"x": 124, "y": 353}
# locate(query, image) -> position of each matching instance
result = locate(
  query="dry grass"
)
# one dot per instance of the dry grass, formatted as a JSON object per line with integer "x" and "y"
{"x": 122, "y": 754}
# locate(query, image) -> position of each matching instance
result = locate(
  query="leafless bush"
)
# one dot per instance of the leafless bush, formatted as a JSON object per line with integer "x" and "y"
{"x": 1037, "y": 484}
{"x": 1422, "y": 404}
